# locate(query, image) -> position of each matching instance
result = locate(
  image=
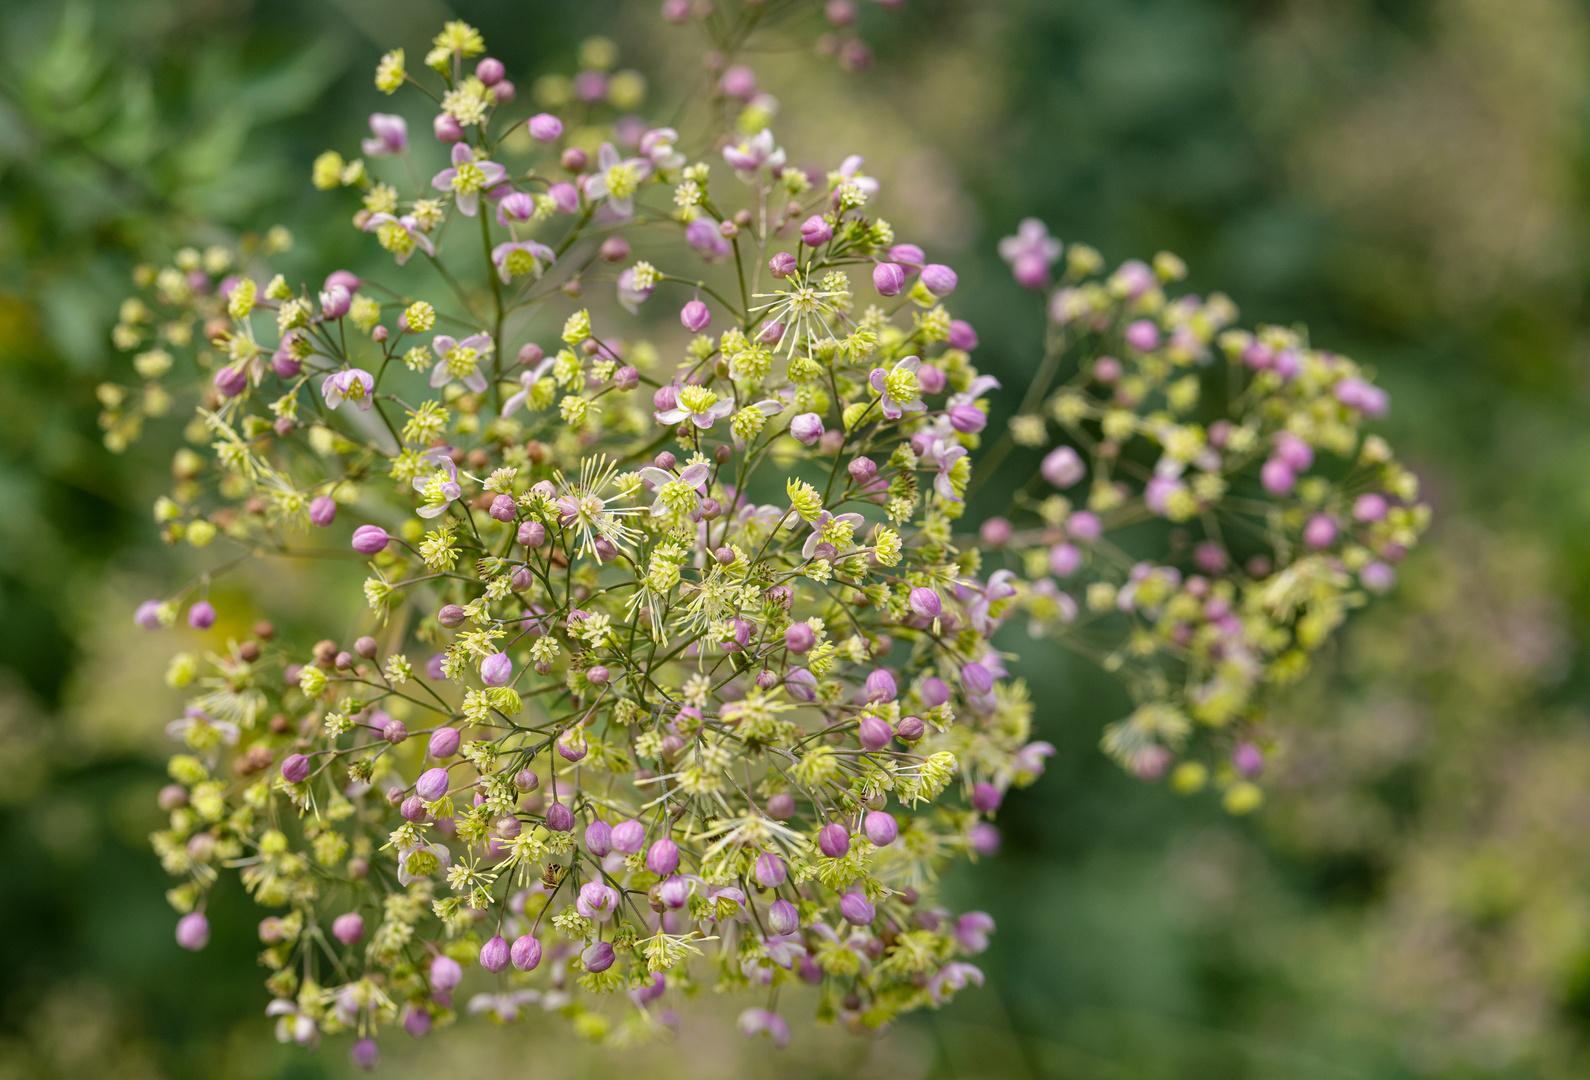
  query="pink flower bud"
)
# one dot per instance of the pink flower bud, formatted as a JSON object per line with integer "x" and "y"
{"x": 925, "y": 602}
{"x": 447, "y": 129}
{"x": 1276, "y": 477}
{"x": 629, "y": 837}
{"x": 882, "y": 829}
{"x": 996, "y": 532}
{"x": 874, "y": 732}
{"x": 544, "y": 127}
{"x": 395, "y": 732}
{"x": 559, "y": 818}
{"x": 490, "y": 71}
{"x": 201, "y": 616}
{"x": 770, "y": 870}
{"x": 431, "y": 785}
{"x": 781, "y": 807}
{"x": 833, "y": 841}
{"x": 532, "y": 534}
{"x": 1063, "y": 467}
{"x": 323, "y": 511}
{"x": 799, "y": 637}
{"x": 626, "y": 378}
{"x": 230, "y": 381}
{"x": 193, "y": 931}
{"x": 348, "y": 928}
{"x": 296, "y": 768}
{"x": 444, "y": 743}
{"x": 496, "y": 670}
{"x": 986, "y": 798}
{"x": 962, "y": 336}
{"x": 815, "y": 231}
{"x": 599, "y": 838}
{"x": 806, "y": 428}
{"x": 783, "y": 917}
{"x": 695, "y": 317}
{"x": 856, "y": 910}
{"x": 525, "y": 953}
{"x": 369, "y": 539}
{"x": 1319, "y": 532}
{"x": 1064, "y": 559}
{"x": 662, "y": 858}
{"x": 446, "y": 974}
{"x": 494, "y": 954}
{"x": 503, "y": 508}
{"x": 782, "y": 265}
{"x": 939, "y": 279}
{"x": 888, "y": 278}
{"x": 1142, "y": 335}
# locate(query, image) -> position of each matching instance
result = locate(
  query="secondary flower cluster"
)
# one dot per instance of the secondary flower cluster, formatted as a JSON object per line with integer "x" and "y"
{"x": 1207, "y": 509}
{"x": 673, "y": 673}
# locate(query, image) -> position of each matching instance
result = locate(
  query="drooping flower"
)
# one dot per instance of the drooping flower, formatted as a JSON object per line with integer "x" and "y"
{"x": 460, "y": 360}
{"x": 1030, "y": 253}
{"x": 350, "y": 384}
{"x": 617, "y": 179}
{"x": 698, "y": 405}
{"x": 399, "y": 235}
{"x": 517, "y": 258}
{"x": 898, "y": 387}
{"x": 749, "y": 155}
{"x": 391, "y": 136}
{"x": 468, "y": 177}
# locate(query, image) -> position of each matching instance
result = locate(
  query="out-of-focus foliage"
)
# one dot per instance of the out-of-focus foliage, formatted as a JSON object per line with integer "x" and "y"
{"x": 1407, "y": 177}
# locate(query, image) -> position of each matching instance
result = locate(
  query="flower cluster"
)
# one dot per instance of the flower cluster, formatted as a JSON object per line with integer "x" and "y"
{"x": 1207, "y": 509}
{"x": 676, "y": 671}
{"x": 673, "y": 674}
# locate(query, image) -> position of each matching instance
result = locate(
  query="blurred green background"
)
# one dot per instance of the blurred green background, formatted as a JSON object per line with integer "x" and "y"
{"x": 1411, "y": 178}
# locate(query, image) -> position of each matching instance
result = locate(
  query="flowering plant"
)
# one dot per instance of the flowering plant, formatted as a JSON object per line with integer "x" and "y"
{"x": 702, "y": 682}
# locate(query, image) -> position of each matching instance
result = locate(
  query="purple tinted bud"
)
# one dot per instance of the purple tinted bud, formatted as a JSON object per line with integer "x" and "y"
{"x": 695, "y": 317}
{"x": 857, "y": 912}
{"x": 628, "y": 837}
{"x": 560, "y": 818}
{"x": 413, "y": 808}
{"x": 772, "y": 333}
{"x": 662, "y": 858}
{"x": 815, "y": 231}
{"x": 335, "y": 301}
{"x": 230, "y": 381}
{"x": 504, "y": 92}
{"x": 782, "y": 917}
{"x": 490, "y": 71}
{"x": 976, "y": 678}
{"x": 1142, "y": 335}
{"x": 874, "y": 732}
{"x": 770, "y": 870}
{"x": 801, "y": 685}
{"x": 985, "y": 839}
{"x": 833, "y": 841}
{"x": 968, "y": 419}
{"x": 932, "y": 378}
{"x": 598, "y": 957}
{"x": 446, "y": 974}
{"x": 369, "y": 539}
{"x": 365, "y": 1054}
{"x": 996, "y": 531}
{"x": 674, "y": 892}
{"x": 496, "y": 670}
{"x": 782, "y": 265}
{"x": 986, "y": 798}
{"x": 503, "y": 508}
{"x": 494, "y": 954}
{"x": 962, "y": 336}
{"x": 193, "y": 931}
{"x": 781, "y": 807}
{"x": 1319, "y": 532}
{"x": 544, "y": 127}
{"x": 799, "y": 637}
{"x": 416, "y": 1021}
{"x": 1247, "y": 759}
{"x": 1297, "y": 454}
{"x": 934, "y": 692}
{"x": 446, "y": 128}
{"x": 1276, "y": 477}
{"x": 1063, "y": 467}
{"x": 348, "y": 928}
{"x": 939, "y": 279}
{"x": 626, "y": 378}
{"x": 451, "y": 615}
{"x": 862, "y": 470}
{"x": 431, "y": 785}
{"x": 201, "y": 616}
{"x": 296, "y": 768}
{"x": 394, "y": 732}
{"x": 925, "y": 602}
{"x": 665, "y": 399}
{"x": 148, "y": 615}
{"x": 532, "y": 534}
{"x": 881, "y": 686}
{"x": 172, "y": 797}
{"x": 881, "y": 827}
{"x": 1378, "y": 577}
{"x": 972, "y": 930}
{"x": 1030, "y": 270}
{"x": 912, "y": 728}
{"x": 525, "y": 953}
{"x": 565, "y": 196}
{"x": 909, "y": 254}
{"x": 1085, "y": 527}
{"x": 702, "y": 235}
{"x": 444, "y": 742}
{"x": 1369, "y": 507}
{"x": 807, "y": 428}
{"x": 738, "y": 82}
{"x": 599, "y": 838}
{"x": 323, "y": 511}
{"x": 888, "y": 278}
{"x": 1064, "y": 560}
